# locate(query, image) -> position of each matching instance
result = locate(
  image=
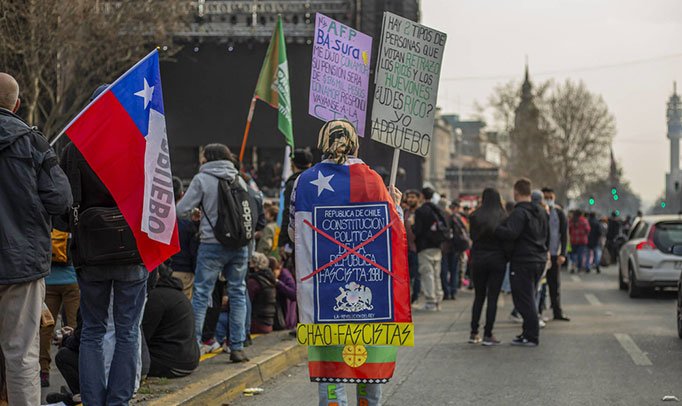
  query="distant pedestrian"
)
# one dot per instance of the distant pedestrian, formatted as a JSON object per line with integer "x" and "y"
{"x": 579, "y": 230}
{"x": 527, "y": 227}
{"x": 558, "y": 241}
{"x": 430, "y": 231}
{"x": 594, "y": 242}
{"x": 412, "y": 198}
{"x": 489, "y": 263}
{"x": 453, "y": 248}
{"x": 32, "y": 189}
{"x": 614, "y": 229}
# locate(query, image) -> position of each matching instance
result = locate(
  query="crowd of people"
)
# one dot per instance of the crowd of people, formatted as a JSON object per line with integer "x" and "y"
{"x": 111, "y": 323}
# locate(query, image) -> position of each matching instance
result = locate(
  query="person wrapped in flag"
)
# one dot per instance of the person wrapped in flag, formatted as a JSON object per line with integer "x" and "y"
{"x": 351, "y": 258}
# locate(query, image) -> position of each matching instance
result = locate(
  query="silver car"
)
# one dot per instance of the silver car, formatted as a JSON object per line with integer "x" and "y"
{"x": 645, "y": 260}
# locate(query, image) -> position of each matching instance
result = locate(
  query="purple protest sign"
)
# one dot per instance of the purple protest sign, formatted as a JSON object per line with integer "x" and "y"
{"x": 340, "y": 72}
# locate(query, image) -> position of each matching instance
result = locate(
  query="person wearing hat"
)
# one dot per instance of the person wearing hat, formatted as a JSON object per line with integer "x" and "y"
{"x": 330, "y": 183}
{"x": 301, "y": 160}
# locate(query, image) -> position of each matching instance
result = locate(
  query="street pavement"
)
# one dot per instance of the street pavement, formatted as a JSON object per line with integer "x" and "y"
{"x": 615, "y": 351}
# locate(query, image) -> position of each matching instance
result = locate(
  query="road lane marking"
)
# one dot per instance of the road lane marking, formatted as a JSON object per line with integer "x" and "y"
{"x": 629, "y": 345}
{"x": 592, "y": 299}
{"x": 576, "y": 278}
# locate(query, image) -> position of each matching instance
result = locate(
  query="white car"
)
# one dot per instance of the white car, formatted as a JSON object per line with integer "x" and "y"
{"x": 645, "y": 261}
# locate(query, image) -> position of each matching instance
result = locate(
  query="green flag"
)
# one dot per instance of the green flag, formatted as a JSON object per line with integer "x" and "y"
{"x": 273, "y": 82}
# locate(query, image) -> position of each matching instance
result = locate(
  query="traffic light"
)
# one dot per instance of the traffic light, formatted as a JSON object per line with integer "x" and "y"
{"x": 663, "y": 205}
{"x": 591, "y": 201}
{"x": 616, "y": 197}
{"x": 617, "y": 213}
{"x": 614, "y": 191}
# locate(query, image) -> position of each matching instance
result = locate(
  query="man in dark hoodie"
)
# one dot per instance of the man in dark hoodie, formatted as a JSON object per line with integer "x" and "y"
{"x": 32, "y": 189}
{"x": 214, "y": 258}
{"x": 168, "y": 326}
{"x": 527, "y": 226}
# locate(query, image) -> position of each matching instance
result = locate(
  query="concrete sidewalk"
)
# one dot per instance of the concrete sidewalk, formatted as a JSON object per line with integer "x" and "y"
{"x": 217, "y": 381}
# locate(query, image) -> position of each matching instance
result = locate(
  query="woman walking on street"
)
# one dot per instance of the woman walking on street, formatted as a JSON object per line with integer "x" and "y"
{"x": 488, "y": 263}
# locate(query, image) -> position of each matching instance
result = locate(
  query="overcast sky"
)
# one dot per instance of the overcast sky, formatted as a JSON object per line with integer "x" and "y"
{"x": 488, "y": 39}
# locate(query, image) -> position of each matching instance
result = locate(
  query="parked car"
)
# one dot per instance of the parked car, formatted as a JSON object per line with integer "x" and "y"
{"x": 645, "y": 261}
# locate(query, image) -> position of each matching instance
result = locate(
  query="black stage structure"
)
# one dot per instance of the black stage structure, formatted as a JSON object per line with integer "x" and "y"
{"x": 209, "y": 83}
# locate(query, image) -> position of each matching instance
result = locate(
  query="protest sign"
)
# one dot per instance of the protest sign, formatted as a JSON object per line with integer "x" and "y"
{"x": 340, "y": 72}
{"x": 407, "y": 76}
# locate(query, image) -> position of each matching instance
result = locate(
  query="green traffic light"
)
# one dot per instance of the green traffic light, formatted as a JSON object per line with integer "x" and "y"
{"x": 617, "y": 212}
{"x": 663, "y": 205}
{"x": 591, "y": 201}
{"x": 614, "y": 191}
{"x": 615, "y": 197}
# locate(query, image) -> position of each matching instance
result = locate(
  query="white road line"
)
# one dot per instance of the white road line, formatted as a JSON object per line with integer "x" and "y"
{"x": 628, "y": 344}
{"x": 576, "y": 278}
{"x": 594, "y": 301}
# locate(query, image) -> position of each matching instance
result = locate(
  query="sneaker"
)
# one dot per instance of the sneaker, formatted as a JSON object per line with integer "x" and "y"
{"x": 516, "y": 318}
{"x": 238, "y": 356}
{"x": 474, "y": 338}
{"x": 226, "y": 347}
{"x": 523, "y": 342}
{"x": 562, "y": 318}
{"x": 545, "y": 318}
{"x": 491, "y": 341}
{"x": 209, "y": 347}
{"x": 542, "y": 323}
{"x": 44, "y": 379}
{"x": 64, "y": 396}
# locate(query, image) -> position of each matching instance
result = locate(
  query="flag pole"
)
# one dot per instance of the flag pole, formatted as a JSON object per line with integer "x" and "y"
{"x": 246, "y": 130}
{"x": 394, "y": 167}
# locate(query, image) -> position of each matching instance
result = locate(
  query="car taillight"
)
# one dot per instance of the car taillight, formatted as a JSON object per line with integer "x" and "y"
{"x": 649, "y": 243}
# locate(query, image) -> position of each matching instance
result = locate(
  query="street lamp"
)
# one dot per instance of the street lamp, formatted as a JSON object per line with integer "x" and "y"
{"x": 458, "y": 137}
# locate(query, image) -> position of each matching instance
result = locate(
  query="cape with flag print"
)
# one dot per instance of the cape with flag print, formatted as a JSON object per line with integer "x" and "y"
{"x": 351, "y": 268}
{"x": 122, "y": 136}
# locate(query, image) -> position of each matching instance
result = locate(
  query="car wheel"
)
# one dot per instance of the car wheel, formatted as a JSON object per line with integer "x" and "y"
{"x": 621, "y": 283}
{"x": 679, "y": 313}
{"x": 633, "y": 290}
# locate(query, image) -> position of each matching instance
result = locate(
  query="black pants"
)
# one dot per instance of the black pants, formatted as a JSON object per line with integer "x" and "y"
{"x": 554, "y": 283}
{"x": 159, "y": 370}
{"x": 488, "y": 277}
{"x": 523, "y": 278}
{"x": 67, "y": 363}
{"x": 415, "y": 280}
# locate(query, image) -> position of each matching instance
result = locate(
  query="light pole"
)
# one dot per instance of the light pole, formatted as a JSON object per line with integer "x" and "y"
{"x": 458, "y": 137}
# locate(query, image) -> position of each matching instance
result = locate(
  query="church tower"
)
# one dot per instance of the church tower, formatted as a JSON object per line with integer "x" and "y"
{"x": 673, "y": 190}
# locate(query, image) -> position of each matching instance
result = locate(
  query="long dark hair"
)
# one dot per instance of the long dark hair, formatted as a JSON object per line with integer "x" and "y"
{"x": 491, "y": 212}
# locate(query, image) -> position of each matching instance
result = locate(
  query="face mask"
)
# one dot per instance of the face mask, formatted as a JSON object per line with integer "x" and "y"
{"x": 550, "y": 202}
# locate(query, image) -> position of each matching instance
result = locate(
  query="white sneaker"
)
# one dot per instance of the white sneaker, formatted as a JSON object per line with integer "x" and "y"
{"x": 210, "y": 348}
{"x": 542, "y": 323}
{"x": 516, "y": 319}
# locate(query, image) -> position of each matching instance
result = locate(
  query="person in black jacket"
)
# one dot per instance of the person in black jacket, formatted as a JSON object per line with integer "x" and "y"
{"x": 32, "y": 189}
{"x": 488, "y": 261}
{"x": 527, "y": 227}
{"x": 301, "y": 160}
{"x": 558, "y": 240}
{"x": 168, "y": 326}
{"x": 428, "y": 223}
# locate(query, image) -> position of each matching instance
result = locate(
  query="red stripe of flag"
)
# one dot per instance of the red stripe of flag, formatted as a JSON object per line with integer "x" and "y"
{"x": 367, "y": 186}
{"x": 114, "y": 148}
{"x": 375, "y": 370}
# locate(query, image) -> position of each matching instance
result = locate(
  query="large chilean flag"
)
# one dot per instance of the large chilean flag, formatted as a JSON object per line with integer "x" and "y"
{"x": 122, "y": 135}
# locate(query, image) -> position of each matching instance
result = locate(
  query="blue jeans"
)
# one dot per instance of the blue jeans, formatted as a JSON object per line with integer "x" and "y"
{"x": 97, "y": 283}
{"x": 596, "y": 256}
{"x": 335, "y": 394}
{"x": 449, "y": 273}
{"x": 581, "y": 256}
{"x": 222, "y": 329}
{"x": 211, "y": 260}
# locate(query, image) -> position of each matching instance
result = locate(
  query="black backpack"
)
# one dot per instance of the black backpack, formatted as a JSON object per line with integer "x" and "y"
{"x": 101, "y": 235}
{"x": 442, "y": 231}
{"x": 237, "y": 215}
{"x": 460, "y": 237}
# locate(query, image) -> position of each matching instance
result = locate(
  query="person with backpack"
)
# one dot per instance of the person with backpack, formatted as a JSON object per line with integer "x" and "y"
{"x": 489, "y": 264}
{"x": 226, "y": 229}
{"x": 430, "y": 231}
{"x": 32, "y": 189}
{"x": 452, "y": 249}
{"x": 527, "y": 228}
{"x": 61, "y": 294}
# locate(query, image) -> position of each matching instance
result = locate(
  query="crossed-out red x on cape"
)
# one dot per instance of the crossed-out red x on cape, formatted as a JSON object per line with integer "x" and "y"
{"x": 349, "y": 251}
